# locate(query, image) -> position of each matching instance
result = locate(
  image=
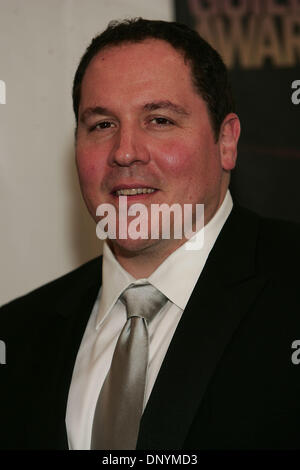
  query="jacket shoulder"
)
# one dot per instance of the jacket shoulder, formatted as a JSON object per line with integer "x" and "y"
{"x": 86, "y": 273}
{"x": 278, "y": 242}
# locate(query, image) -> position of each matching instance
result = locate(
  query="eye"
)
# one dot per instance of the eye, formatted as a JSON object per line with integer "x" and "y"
{"x": 161, "y": 121}
{"x": 102, "y": 126}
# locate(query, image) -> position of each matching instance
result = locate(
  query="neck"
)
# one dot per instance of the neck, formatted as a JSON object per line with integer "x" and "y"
{"x": 142, "y": 262}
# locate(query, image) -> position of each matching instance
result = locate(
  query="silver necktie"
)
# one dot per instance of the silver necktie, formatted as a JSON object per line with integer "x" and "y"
{"x": 120, "y": 404}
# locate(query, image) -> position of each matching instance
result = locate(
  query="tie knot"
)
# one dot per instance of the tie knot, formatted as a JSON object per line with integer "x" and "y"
{"x": 143, "y": 300}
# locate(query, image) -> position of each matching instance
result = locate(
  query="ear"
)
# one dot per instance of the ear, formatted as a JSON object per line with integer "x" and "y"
{"x": 228, "y": 139}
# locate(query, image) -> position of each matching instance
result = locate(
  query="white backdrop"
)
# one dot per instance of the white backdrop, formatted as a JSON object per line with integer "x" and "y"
{"x": 45, "y": 228}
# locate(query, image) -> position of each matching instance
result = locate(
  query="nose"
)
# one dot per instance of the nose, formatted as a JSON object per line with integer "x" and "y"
{"x": 129, "y": 147}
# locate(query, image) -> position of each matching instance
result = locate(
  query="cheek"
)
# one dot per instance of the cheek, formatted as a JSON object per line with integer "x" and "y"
{"x": 181, "y": 161}
{"x": 88, "y": 165}
{"x": 192, "y": 171}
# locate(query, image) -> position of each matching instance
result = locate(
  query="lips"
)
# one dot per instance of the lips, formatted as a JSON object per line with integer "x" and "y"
{"x": 134, "y": 192}
{"x": 135, "y": 189}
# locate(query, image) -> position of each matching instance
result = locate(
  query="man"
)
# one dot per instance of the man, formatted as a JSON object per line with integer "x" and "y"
{"x": 155, "y": 122}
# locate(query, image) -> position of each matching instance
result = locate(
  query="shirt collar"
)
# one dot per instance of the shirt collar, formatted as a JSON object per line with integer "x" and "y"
{"x": 176, "y": 277}
{"x": 114, "y": 281}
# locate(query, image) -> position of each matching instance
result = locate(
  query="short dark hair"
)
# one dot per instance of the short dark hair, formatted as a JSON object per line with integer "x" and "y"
{"x": 209, "y": 73}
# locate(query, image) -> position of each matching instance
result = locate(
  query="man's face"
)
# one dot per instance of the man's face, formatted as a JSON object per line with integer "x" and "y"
{"x": 143, "y": 125}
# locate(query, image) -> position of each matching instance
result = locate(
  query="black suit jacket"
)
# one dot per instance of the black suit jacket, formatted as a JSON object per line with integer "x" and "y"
{"x": 227, "y": 381}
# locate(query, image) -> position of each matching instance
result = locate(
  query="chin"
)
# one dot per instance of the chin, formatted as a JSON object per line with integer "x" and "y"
{"x": 130, "y": 246}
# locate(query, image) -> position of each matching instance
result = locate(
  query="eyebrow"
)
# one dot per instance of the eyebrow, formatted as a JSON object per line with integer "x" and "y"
{"x": 165, "y": 105}
{"x": 153, "y": 106}
{"x": 97, "y": 110}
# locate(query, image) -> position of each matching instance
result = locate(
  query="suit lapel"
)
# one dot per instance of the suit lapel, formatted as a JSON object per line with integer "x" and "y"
{"x": 67, "y": 326}
{"x": 222, "y": 296}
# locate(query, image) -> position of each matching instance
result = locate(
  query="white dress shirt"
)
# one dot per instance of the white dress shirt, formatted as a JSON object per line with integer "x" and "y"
{"x": 176, "y": 278}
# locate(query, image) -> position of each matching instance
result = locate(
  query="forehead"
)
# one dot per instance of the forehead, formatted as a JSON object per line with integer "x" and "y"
{"x": 151, "y": 69}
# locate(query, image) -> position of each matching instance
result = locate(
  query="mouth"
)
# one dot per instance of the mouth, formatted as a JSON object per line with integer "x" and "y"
{"x": 133, "y": 192}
